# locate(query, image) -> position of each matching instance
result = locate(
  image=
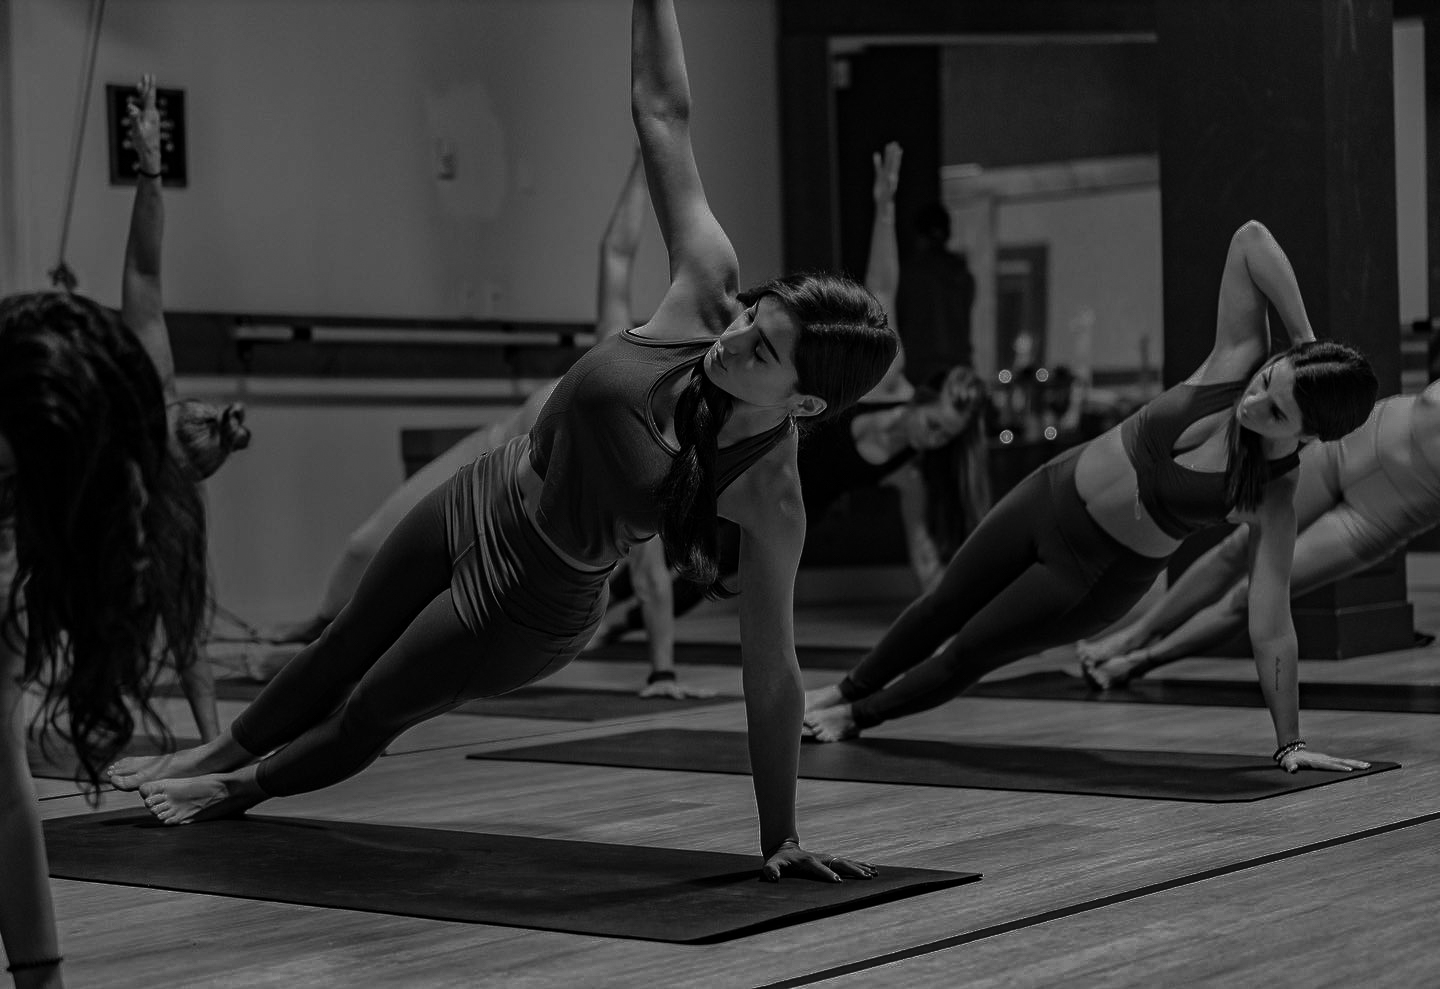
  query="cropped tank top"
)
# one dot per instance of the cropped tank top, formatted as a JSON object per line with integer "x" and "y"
{"x": 830, "y": 465}
{"x": 600, "y": 454}
{"x": 1182, "y": 500}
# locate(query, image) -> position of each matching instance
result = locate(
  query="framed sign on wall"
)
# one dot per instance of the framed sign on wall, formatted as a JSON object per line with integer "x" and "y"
{"x": 123, "y": 160}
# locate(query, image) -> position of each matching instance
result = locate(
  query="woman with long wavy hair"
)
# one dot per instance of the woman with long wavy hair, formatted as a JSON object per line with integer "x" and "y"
{"x": 497, "y": 579}
{"x": 103, "y": 565}
{"x": 1072, "y": 547}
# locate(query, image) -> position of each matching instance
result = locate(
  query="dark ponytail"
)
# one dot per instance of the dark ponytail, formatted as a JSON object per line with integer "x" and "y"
{"x": 1335, "y": 389}
{"x": 687, "y": 494}
{"x": 843, "y": 347}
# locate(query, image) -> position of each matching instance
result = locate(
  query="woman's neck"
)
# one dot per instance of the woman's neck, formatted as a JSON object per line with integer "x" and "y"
{"x": 749, "y": 420}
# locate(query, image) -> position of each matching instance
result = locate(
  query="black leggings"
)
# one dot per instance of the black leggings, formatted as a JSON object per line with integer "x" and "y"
{"x": 1037, "y": 572}
{"x": 396, "y": 655}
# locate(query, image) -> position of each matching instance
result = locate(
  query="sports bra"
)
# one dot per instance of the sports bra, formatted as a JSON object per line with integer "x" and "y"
{"x": 1182, "y": 500}
{"x": 600, "y": 455}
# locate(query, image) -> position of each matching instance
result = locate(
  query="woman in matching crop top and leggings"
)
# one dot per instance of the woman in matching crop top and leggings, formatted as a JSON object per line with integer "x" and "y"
{"x": 1076, "y": 544}
{"x": 498, "y": 577}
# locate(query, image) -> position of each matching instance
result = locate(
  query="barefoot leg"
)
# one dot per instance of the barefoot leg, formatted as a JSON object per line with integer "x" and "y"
{"x": 202, "y": 798}
{"x": 222, "y": 754}
{"x": 832, "y": 724}
{"x": 822, "y": 697}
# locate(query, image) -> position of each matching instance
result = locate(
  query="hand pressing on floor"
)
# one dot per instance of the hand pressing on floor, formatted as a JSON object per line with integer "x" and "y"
{"x": 1303, "y": 758}
{"x": 792, "y": 860}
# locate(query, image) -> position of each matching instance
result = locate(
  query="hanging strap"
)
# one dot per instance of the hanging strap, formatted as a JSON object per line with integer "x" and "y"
{"x": 61, "y": 276}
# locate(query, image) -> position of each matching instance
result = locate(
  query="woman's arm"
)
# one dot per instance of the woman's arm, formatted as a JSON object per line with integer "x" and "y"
{"x": 140, "y": 299}
{"x": 27, "y": 916}
{"x": 1257, "y": 274}
{"x": 617, "y": 254}
{"x": 882, "y": 269}
{"x": 1272, "y": 630}
{"x": 704, "y": 272}
{"x": 765, "y": 502}
{"x": 924, "y": 554}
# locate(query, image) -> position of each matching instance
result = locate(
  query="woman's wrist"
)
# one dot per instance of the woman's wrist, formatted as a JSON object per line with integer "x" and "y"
{"x": 771, "y": 848}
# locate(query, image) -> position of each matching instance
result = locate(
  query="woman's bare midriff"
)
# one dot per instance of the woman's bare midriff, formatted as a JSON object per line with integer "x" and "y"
{"x": 1106, "y": 483}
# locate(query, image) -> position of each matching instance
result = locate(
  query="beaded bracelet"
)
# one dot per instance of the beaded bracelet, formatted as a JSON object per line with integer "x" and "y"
{"x": 14, "y": 967}
{"x": 1286, "y": 749}
{"x": 657, "y": 675}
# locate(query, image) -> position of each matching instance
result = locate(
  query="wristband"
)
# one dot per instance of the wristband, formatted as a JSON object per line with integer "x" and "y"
{"x": 657, "y": 675}
{"x": 148, "y": 175}
{"x": 36, "y": 963}
{"x": 1286, "y": 749}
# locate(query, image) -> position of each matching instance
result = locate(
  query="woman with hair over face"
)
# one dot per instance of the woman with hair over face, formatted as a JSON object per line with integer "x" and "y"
{"x": 498, "y": 578}
{"x": 106, "y": 578}
{"x": 203, "y": 436}
{"x": 1358, "y": 500}
{"x": 1075, "y": 545}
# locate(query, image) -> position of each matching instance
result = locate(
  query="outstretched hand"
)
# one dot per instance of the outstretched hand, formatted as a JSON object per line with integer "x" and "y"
{"x": 1310, "y": 759}
{"x": 143, "y": 121}
{"x": 792, "y": 860}
{"x": 887, "y": 172}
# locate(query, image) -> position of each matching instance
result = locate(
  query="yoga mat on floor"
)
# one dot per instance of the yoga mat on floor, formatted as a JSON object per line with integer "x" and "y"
{"x": 575, "y": 704}
{"x": 226, "y": 689}
{"x": 724, "y": 654}
{"x": 1195, "y": 776}
{"x": 57, "y": 760}
{"x": 1057, "y": 685}
{"x": 630, "y": 891}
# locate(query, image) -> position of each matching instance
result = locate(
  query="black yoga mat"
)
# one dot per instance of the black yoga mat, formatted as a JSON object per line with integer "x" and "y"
{"x": 1195, "y": 776}
{"x": 57, "y": 760}
{"x": 1056, "y": 685}
{"x": 631, "y": 891}
{"x": 226, "y": 689}
{"x": 575, "y": 704}
{"x": 725, "y": 654}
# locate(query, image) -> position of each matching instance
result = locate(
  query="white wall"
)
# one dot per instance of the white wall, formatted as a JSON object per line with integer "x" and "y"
{"x": 312, "y": 128}
{"x": 1410, "y": 192}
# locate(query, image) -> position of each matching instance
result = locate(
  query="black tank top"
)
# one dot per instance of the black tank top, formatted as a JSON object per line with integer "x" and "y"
{"x": 830, "y": 466}
{"x": 601, "y": 455}
{"x": 1179, "y": 499}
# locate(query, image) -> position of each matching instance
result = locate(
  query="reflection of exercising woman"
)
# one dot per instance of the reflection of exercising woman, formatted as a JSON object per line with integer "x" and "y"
{"x": 498, "y": 578}
{"x": 1359, "y": 499}
{"x": 1077, "y": 543}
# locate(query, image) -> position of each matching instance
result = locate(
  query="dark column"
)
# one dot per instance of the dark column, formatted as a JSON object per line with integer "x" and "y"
{"x": 1283, "y": 112}
{"x": 807, "y": 165}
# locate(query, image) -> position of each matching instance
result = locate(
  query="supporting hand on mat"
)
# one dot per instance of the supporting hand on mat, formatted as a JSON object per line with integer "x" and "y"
{"x": 673, "y": 690}
{"x": 1310, "y": 759}
{"x": 792, "y": 860}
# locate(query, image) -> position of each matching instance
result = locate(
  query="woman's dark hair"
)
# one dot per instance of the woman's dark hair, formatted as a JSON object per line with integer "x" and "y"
{"x": 843, "y": 348}
{"x": 956, "y": 475}
{"x": 1335, "y": 389}
{"x": 109, "y": 530}
{"x": 208, "y": 435}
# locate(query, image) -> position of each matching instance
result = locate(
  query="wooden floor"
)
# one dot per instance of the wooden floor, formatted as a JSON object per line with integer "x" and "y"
{"x": 1333, "y": 886}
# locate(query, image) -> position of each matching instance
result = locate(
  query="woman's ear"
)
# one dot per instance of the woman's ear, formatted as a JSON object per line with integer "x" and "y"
{"x": 807, "y": 405}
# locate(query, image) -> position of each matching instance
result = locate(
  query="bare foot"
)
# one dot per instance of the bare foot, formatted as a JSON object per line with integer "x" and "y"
{"x": 1113, "y": 674}
{"x": 201, "y": 798}
{"x": 832, "y": 724}
{"x": 218, "y": 755}
{"x": 1106, "y": 647}
{"x": 822, "y": 697}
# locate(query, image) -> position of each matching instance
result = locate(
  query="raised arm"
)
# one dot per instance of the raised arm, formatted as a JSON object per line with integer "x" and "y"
{"x": 140, "y": 299}
{"x": 1272, "y": 630}
{"x": 882, "y": 269}
{"x": 702, "y": 261}
{"x": 1256, "y": 273}
{"x": 765, "y": 502}
{"x": 621, "y": 240}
